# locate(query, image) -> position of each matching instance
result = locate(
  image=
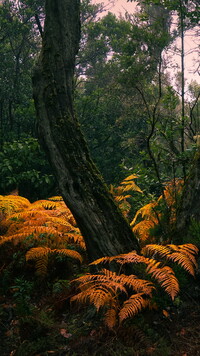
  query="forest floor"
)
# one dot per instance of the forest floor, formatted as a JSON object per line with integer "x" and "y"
{"x": 173, "y": 332}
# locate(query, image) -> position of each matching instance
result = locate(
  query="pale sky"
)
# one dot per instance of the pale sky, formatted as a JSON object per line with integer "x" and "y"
{"x": 118, "y": 6}
{"x": 121, "y": 6}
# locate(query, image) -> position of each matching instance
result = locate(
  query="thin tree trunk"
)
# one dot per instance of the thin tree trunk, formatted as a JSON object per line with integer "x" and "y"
{"x": 189, "y": 207}
{"x": 102, "y": 225}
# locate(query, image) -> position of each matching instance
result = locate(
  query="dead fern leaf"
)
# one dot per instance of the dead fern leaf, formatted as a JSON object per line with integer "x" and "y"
{"x": 69, "y": 253}
{"x": 111, "y": 315}
{"x": 183, "y": 261}
{"x": 131, "y": 257}
{"x": 132, "y": 306}
{"x": 165, "y": 276}
{"x": 146, "y": 212}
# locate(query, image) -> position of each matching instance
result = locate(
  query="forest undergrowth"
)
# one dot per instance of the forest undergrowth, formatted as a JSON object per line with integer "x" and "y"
{"x": 53, "y": 301}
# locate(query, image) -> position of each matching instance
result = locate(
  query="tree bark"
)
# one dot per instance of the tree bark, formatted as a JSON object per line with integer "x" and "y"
{"x": 189, "y": 209}
{"x": 104, "y": 229}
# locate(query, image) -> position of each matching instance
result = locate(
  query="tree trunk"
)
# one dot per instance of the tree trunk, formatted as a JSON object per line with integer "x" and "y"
{"x": 189, "y": 209}
{"x": 104, "y": 229}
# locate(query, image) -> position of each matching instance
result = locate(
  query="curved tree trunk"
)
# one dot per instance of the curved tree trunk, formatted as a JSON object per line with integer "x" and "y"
{"x": 102, "y": 225}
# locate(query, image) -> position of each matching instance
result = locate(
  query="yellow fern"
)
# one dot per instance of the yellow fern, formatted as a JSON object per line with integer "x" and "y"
{"x": 165, "y": 276}
{"x": 184, "y": 255}
{"x": 111, "y": 314}
{"x": 41, "y": 254}
{"x": 132, "y": 306}
{"x": 146, "y": 212}
{"x": 142, "y": 229}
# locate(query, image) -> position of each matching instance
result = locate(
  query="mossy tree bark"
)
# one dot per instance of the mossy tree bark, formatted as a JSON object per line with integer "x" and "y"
{"x": 105, "y": 230}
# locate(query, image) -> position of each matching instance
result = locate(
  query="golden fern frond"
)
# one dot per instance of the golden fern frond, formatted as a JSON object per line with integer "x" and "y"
{"x": 119, "y": 198}
{"x": 154, "y": 249}
{"x": 191, "y": 251}
{"x": 10, "y": 204}
{"x": 131, "y": 177}
{"x": 132, "y": 281}
{"x": 185, "y": 248}
{"x": 111, "y": 315}
{"x": 131, "y": 185}
{"x": 60, "y": 222}
{"x": 146, "y": 212}
{"x": 41, "y": 266}
{"x": 55, "y": 198}
{"x": 37, "y": 252}
{"x": 139, "y": 285}
{"x": 165, "y": 276}
{"x": 132, "y": 306}
{"x": 44, "y": 204}
{"x": 172, "y": 188}
{"x": 23, "y": 233}
{"x": 75, "y": 238}
{"x": 131, "y": 257}
{"x": 69, "y": 253}
{"x": 100, "y": 296}
{"x": 183, "y": 261}
{"x": 28, "y": 214}
{"x": 105, "y": 278}
{"x": 15, "y": 239}
{"x": 97, "y": 295}
{"x": 40, "y": 230}
{"x": 40, "y": 254}
{"x": 183, "y": 254}
{"x": 142, "y": 229}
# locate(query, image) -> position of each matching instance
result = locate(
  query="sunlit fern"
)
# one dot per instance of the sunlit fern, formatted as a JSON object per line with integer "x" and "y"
{"x": 120, "y": 193}
{"x": 152, "y": 213}
{"x": 106, "y": 290}
{"x": 44, "y": 224}
{"x": 103, "y": 289}
{"x": 41, "y": 255}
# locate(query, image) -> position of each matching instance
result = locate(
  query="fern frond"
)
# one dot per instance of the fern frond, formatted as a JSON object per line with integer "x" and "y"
{"x": 153, "y": 250}
{"x": 40, "y": 254}
{"x": 131, "y": 186}
{"x": 12, "y": 203}
{"x": 97, "y": 295}
{"x": 186, "y": 248}
{"x": 56, "y": 198}
{"x": 142, "y": 229}
{"x": 15, "y": 239}
{"x": 37, "y": 252}
{"x": 119, "y": 198}
{"x": 183, "y": 254}
{"x": 131, "y": 177}
{"x": 131, "y": 257}
{"x": 106, "y": 278}
{"x": 183, "y": 261}
{"x": 44, "y": 204}
{"x": 165, "y": 277}
{"x": 76, "y": 238}
{"x": 132, "y": 306}
{"x": 146, "y": 212}
{"x": 111, "y": 315}
{"x": 69, "y": 253}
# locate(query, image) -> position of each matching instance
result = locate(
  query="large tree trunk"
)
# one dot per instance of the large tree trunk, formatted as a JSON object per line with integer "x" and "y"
{"x": 102, "y": 225}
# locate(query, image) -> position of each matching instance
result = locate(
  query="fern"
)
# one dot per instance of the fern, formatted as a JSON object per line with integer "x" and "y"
{"x": 165, "y": 276}
{"x": 104, "y": 290}
{"x": 184, "y": 255}
{"x": 41, "y": 254}
{"x": 46, "y": 226}
{"x": 132, "y": 306}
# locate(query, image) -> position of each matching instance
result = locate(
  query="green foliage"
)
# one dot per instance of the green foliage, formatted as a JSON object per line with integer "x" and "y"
{"x": 23, "y": 166}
